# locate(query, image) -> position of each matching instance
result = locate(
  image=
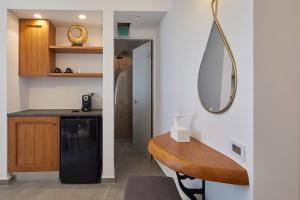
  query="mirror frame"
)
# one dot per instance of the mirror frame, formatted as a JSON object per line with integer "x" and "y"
{"x": 214, "y": 8}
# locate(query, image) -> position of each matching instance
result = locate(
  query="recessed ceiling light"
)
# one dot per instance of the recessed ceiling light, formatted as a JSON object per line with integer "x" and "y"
{"x": 82, "y": 17}
{"x": 37, "y": 15}
{"x": 137, "y": 17}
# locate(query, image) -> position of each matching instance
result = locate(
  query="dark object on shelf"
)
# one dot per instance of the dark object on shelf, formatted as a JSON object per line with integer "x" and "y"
{"x": 57, "y": 70}
{"x": 87, "y": 102}
{"x": 81, "y": 150}
{"x": 69, "y": 70}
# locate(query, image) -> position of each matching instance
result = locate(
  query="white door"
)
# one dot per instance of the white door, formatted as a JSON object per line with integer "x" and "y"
{"x": 142, "y": 112}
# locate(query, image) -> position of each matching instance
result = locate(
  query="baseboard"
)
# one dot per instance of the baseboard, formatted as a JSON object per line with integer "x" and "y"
{"x": 6, "y": 181}
{"x": 108, "y": 180}
{"x": 36, "y": 176}
{"x": 48, "y": 176}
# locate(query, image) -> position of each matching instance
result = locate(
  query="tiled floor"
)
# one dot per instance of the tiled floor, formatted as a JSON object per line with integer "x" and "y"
{"x": 128, "y": 162}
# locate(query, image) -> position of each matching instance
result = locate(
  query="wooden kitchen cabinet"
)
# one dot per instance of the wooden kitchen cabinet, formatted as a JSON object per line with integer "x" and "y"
{"x": 35, "y": 57}
{"x": 33, "y": 144}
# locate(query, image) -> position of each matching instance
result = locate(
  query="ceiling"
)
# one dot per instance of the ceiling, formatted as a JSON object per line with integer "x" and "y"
{"x": 62, "y": 18}
{"x": 147, "y": 19}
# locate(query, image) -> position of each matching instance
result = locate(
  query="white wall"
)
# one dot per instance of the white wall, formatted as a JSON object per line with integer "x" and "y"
{"x": 50, "y": 93}
{"x": 108, "y": 8}
{"x": 62, "y": 93}
{"x": 94, "y": 36}
{"x": 276, "y": 100}
{"x": 17, "y": 90}
{"x": 3, "y": 95}
{"x": 183, "y": 36}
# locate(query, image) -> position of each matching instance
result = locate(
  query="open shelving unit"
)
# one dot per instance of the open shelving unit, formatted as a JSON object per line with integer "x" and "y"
{"x": 77, "y": 49}
{"x": 31, "y": 65}
{"x": 82, "y": 75}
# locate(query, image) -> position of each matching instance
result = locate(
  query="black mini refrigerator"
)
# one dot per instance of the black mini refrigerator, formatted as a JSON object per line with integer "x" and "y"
{"x": 81, "y": 150}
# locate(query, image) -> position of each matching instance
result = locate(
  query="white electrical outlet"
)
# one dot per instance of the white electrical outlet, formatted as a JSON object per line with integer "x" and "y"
{"x": 238, "y": 149}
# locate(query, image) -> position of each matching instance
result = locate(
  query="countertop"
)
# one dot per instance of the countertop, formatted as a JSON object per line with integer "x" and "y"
{"x": 54, "y": 113}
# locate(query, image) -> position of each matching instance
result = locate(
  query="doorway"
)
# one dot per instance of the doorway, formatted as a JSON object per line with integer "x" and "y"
{"x": 133, "y": 93}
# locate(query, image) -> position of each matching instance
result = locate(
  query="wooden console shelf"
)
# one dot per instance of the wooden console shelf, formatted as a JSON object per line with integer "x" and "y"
{"x": 77, "y": 49}
{"x": 95, "y": 75}
{"x": 197, "y": 160}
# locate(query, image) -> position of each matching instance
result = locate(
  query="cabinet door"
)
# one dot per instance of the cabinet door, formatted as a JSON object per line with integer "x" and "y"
{"x": 33, "y": 144}
{"x": 35, "y": 57}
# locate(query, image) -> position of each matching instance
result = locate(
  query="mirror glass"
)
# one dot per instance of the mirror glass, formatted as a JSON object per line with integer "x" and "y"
{"x": 217, "y": 75}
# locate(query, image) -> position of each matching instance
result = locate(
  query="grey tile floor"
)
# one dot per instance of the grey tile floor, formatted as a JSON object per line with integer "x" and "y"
{"x": 127, "y": 161}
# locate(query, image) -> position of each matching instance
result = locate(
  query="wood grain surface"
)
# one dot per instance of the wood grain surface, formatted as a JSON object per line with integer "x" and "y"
{"x": 33, "y": 144}
{"x": 197, "y": 160}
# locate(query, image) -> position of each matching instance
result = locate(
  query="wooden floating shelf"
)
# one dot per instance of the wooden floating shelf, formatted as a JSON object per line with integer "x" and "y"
{"x": 87, "y": 75}
{"x": 77, "y": 49}
{"x": 197, "y": 160}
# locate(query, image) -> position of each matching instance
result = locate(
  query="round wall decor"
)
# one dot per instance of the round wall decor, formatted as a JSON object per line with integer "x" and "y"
{"x": 81, "y": 39}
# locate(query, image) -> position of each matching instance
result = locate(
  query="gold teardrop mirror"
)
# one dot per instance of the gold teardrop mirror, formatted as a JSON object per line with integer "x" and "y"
{"x": 217, "y": 78}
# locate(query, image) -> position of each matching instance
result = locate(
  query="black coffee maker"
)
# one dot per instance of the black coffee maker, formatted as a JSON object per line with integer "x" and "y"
{"x": 87, "y": 102}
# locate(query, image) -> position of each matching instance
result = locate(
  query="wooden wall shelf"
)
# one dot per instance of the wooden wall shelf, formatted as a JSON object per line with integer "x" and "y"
{"x": 76, "y": 49}
{"x": 197, "y": 160}
{"x": 87, "y": 75}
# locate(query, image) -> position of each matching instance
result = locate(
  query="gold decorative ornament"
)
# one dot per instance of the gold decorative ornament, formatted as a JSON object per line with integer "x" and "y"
{"x": 81, "y": 39}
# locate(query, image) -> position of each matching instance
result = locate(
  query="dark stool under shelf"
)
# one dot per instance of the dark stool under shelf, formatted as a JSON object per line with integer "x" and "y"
{"x": 151, "y": 188}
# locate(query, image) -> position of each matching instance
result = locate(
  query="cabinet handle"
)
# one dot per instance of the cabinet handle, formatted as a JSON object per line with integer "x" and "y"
{"x": 35, "y": 26}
